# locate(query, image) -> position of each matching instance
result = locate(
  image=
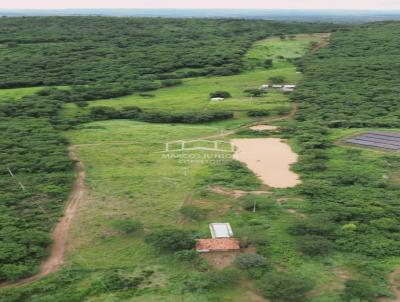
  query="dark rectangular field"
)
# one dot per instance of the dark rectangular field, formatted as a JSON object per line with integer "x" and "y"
{"x": 382, "y": 140}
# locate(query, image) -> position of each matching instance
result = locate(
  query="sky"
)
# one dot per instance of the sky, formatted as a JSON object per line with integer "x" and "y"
{"x": 203, "y": 4}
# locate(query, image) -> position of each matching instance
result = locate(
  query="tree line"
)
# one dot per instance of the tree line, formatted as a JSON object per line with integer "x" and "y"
{"x": 45, "y": 51}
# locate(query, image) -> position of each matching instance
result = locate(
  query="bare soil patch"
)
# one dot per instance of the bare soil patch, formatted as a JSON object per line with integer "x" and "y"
{"x": 235, "y": 193}
{"x": 220, "y": 260}
{"x": 263, "y": 127}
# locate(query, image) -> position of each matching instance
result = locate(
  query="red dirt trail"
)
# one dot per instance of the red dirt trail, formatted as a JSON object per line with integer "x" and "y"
{"x": 60, "y": 232}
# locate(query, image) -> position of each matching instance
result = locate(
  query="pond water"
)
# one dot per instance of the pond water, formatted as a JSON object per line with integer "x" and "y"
{"x": 269, "y": 158}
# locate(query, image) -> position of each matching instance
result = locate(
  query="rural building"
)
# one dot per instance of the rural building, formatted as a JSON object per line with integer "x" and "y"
{"x": 221, "y": 241}
{"x": 217, "y": 245}
{"x": 264, "y": 87}
{"x": 217, "y": 99}
{"x": 221, "y": 230}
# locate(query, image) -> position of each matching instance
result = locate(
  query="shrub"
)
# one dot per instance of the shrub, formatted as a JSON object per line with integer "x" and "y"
{"x": 315, "y": 245}
{"x": 127, "y": 226}
{"x": 212, "y": 280}
{"x": 192, "y": 212}
{"x": 359, "y": 290}
{"x": 285, "y": 287}
{"x": 82, "y": 104}
{"x": 195, "y": 281}
{"x": 248, "y": 261}
{"x": 277, "y": 80}
{"x": 232, "y": 174}
{"x": 268, "y": 63}
{"x": 260, "y": 112}
{"x": 259, "y": 201}
{"x": 319, "y": 226}
{"x": 220, "y": 94}
{"x": 255, "y": 92}
{"x": 171, "y": 83}
{"x": 117, "y": 280}
{"x": 104, "y": 112}
{"x": 282, "y": 110}
{"x": 187, "y": 255}
{"x": 171, "y": 240}
{"x": 223, "y": 278}
{"x": 130, "y": 112}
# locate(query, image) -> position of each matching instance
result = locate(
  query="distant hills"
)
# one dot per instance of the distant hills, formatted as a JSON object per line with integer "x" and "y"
{"x": 279, "y": 15}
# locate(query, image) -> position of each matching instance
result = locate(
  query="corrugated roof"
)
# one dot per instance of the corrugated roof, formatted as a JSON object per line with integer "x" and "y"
{"x": 221, "y": 230}
{"x": 217, "y": 244}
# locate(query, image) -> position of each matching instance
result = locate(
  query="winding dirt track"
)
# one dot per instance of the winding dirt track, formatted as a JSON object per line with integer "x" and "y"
{"x": 60, "y": 232}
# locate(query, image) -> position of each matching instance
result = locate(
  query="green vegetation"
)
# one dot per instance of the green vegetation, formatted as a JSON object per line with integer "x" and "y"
{"x": 171, "y": 240}
{"x": 284, "y": 286}
{"x": 35, "y": 179}
{"x": 248, "y": 261}
{"x": 42, "y": 51}
{"x": 354, "y": 82}
{"x": 333, "y": 238}
{"x": 351, "y": 194}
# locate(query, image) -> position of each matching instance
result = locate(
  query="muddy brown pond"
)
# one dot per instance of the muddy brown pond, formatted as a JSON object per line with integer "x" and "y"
{"x": 269, "y": 158}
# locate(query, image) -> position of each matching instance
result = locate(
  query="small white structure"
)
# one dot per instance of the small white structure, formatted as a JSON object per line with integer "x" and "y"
{"x": 288, "y": 88}
{"x": 264, "y": 87}
{"x": 277, "y": 86}
{"x": 217, "y": 99}
{"x": 221, "y": 230}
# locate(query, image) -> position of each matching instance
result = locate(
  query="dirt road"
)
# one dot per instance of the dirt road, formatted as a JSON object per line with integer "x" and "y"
{"x": 60, "y": 232}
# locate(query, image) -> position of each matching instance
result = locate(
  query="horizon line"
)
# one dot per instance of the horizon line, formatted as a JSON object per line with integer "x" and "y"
{"x": 210, "y": 8}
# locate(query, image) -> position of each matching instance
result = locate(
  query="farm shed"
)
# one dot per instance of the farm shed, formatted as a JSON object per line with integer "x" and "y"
{"x": 217, "y": 99}
{"x": 221, "y": 230}
{"x": 264, "y": 87}
{"x": 217, "y": 245}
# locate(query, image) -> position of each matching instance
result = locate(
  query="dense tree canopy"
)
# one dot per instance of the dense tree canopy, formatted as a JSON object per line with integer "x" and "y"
{"x": 80, "y": 50}
{"x": 355, "y": 82}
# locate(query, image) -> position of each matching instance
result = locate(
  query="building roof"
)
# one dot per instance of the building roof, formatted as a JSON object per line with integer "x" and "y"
{"x": 217, "y": 244}
{"x": 221, "y": 230}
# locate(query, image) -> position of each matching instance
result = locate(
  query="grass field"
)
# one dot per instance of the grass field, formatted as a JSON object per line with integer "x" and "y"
{"x": 17, "y": 93}
{"x": 193, "y": 95}
{"x": 127, "y": 177}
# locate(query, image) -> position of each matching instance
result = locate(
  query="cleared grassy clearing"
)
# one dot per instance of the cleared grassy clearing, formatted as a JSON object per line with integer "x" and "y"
{"x": 127, "y": 178}
{"x": 193, "y": 95}
{"x": 131, "y": 179}
{"x": 279, "y": 50}
{"x": 17, "y": 93}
